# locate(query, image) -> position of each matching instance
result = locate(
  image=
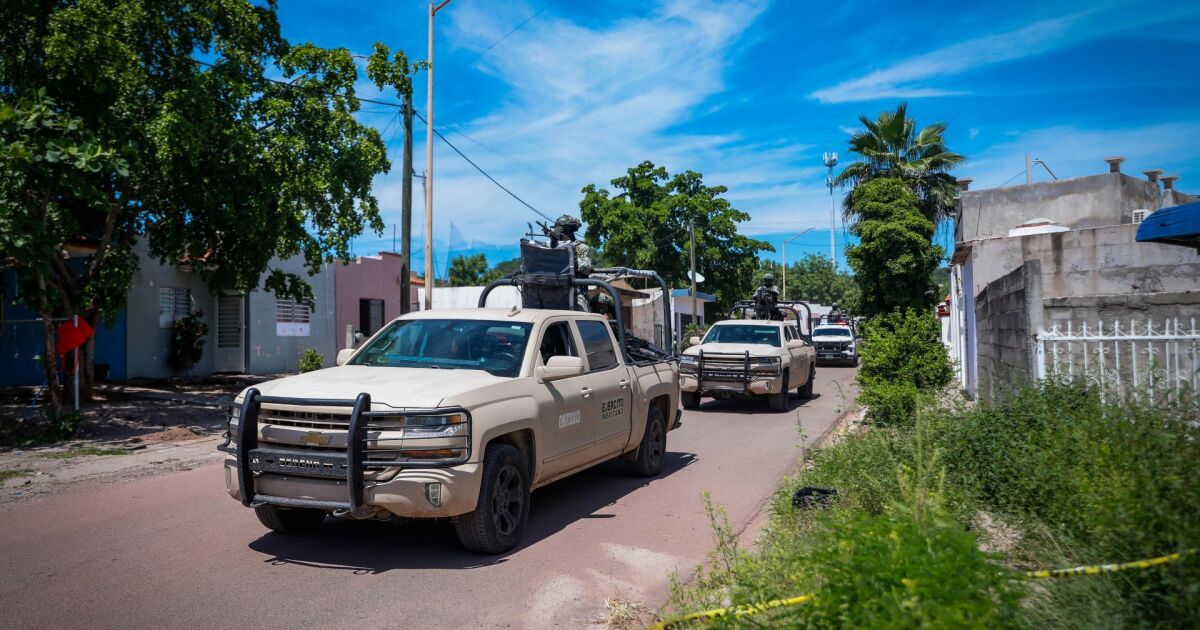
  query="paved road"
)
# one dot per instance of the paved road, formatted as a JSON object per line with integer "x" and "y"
{"x": 174, "y": 550}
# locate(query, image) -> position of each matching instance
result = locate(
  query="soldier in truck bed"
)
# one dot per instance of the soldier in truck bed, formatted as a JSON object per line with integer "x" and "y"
{"x": 566, "y": 228}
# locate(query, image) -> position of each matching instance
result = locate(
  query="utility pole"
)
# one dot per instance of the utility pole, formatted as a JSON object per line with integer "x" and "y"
{"x": 1028, "y": 169}
{"x": 831, "y": 160}
{"x": 429, "y": 277}
{"x": 406, "y": 209}
{"x": 785, "y": 242}
{"x": 692, "y": 225}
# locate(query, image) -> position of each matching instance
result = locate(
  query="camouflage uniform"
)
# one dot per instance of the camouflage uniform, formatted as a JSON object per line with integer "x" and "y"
{"x": 567, "y": 226}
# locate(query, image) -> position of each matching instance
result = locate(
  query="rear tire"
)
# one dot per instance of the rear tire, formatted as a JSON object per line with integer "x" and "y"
{"x": 779, "y": 402}
{"x": 653, "y": 448}
{"x": 289, "y": 520}
{"x": 498, "y": 521}
{"x": 806, "y": 390}
{"x": 690, "y": 400}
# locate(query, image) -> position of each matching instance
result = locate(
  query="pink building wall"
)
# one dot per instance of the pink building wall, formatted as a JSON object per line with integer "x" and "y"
{"x": 368, "y": 277}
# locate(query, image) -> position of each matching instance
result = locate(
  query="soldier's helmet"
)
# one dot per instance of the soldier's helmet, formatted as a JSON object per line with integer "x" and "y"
{"x": 568, "y": 223}
{"x": 768, "y": 279}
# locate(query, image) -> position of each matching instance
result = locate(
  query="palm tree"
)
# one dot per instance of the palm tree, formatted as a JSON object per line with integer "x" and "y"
{"x": 891, "y": 147}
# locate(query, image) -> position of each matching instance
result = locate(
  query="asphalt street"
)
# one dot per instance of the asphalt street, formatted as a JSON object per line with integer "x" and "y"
{"x": 173, "y": 550}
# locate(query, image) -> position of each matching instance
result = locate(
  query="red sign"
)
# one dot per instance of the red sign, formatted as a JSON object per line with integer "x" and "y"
{"x": 71, "y": 336}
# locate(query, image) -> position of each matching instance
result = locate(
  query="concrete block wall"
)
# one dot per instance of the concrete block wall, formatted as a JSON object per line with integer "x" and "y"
{"x": 1007, "y": 313}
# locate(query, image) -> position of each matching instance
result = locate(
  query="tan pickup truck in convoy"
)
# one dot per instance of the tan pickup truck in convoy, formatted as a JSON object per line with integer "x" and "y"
{"x": 748, "y": 357}
{"x": 455, "y": 414}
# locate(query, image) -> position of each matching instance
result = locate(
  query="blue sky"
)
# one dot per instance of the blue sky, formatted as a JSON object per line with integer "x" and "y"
{"x": 750, "y": 93}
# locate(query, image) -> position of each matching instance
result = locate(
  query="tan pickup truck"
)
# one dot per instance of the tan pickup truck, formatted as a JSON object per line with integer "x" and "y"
{"x": 748, "y": 357}
{"x": 454, "y": 414}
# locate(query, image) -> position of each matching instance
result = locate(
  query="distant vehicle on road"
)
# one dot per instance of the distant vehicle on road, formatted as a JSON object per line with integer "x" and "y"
{"x": 748, "y": 357}
{"x": 836, "y": 344}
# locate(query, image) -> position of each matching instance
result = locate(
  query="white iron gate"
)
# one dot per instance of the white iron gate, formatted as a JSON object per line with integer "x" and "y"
{"x": 1134, "y": 359}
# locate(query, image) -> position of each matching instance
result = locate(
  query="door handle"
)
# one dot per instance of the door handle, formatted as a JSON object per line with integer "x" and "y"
{"x": 623, "y": 383}
{"x": 586, "y": 391}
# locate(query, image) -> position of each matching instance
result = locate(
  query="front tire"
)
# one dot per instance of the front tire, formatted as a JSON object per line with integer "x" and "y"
{"x": 779, "y": 402}
{"x": 653, "y": 449}
{"x": 498, "y": 521}
{"x": 289, "y": 520}
{"x": 690, "y": 400}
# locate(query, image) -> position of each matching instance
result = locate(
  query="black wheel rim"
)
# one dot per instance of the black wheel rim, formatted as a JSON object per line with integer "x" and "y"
{"x": 658, "y": 442}
{"x": 508, "y": 500}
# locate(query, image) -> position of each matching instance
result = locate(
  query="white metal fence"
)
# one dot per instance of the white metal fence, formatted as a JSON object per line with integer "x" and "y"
{"x": 1134, "y": 359}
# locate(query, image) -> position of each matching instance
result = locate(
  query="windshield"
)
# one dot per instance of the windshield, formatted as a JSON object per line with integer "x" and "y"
{"x": 765, "y": 335}
{"x": 832, "y": 332}
{"x": 469, "y": 344}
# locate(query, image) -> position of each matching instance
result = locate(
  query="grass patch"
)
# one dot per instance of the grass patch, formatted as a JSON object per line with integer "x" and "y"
{"x": 85, "y": 451}
{"x": 1062, "y": 478}
{"x": 6, "y": 475}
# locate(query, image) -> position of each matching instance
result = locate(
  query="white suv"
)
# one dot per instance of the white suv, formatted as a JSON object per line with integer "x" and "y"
{"x": 835, "y": 344}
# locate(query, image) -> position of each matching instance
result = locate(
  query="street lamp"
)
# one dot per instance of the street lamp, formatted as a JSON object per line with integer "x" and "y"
{"x": 785, "y": 242}
{"x": 429, "y": 279}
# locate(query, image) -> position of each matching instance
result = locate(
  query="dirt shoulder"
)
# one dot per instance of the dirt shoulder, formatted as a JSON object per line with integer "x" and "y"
{"x": 129, "y": 430}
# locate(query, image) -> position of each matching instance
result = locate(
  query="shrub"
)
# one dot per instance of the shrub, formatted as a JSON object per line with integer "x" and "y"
{"x": 902, "y": 361}
{"x": 890, "y": 403}
{"x": 187, "y": 341}
{"x": 693, "y": 330}
{"x": 1109, "y": 482}
{"x": 311, "y": 360}
{"x": 897, "y": 571}
{"x": 905, "y": 346}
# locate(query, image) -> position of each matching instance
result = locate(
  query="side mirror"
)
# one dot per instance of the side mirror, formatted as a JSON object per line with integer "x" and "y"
{"x": 792, "y": 344}
{"x": 693, "y": 341}
{"x": 558, "y": 368}
{"x": 344, "y": 355}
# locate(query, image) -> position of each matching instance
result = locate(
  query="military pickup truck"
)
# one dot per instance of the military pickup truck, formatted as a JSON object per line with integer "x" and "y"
{"x": 835, "y": 343}
{"x": 455, "y": 414}
{"x": 748, "y": 357}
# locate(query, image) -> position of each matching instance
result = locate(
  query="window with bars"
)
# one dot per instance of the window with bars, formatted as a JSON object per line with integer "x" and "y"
{"x": 174, "y": 304}
{"x": 288, "y": 311}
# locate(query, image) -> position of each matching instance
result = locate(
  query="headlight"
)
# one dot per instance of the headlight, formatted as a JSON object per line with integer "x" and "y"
{"x": 689, "y": 359}
{"x": 765, "y": 361}
{"x": 434, "y": 426}
{"x": 233, "y": 418}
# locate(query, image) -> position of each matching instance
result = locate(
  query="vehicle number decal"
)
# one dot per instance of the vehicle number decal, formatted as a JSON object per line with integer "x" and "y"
{"x": 568, "y": 419}
{"x": 610, "y": 409}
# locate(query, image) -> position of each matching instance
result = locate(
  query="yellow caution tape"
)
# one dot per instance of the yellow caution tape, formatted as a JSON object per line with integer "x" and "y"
{"x": 1096, "y": 569}
{"x": 751, "y": 609}
{"x": 736, "y": 611}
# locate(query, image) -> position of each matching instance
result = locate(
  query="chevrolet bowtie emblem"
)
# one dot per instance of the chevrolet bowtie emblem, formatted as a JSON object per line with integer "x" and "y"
{"x": 312, "y": 438}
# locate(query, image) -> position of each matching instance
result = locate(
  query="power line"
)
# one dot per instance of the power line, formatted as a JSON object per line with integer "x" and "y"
{"x": 478, "y": 168}
{"x": 493, "y": 44}
{"x": 514, "y": 160}
{"x": 1019, "y": 173}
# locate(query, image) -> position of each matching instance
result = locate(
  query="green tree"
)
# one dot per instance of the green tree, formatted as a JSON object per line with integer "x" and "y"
{"x": 646, "y": 225}
{"x": 468, "y": 271}
{"x": 815, "y": 279}
{"x": 503, "y": 269}
{"x": 894, "y": 259}
{"x": 113, "y": 133}
{"x": 890, "y": 146}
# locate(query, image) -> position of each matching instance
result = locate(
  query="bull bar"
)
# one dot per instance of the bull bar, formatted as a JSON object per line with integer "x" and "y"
{"x": 252, "y": 460}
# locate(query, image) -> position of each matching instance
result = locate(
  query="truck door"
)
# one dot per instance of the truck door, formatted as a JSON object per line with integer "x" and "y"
{"x": 566, "y": 427}
{"x": 611, "y": 400}
{"x": 800, "y": 362}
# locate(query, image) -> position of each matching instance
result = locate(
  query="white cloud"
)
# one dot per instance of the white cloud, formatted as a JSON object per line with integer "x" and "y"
{"x": 908, "y": 78}
{"x": 585, "y": 103}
